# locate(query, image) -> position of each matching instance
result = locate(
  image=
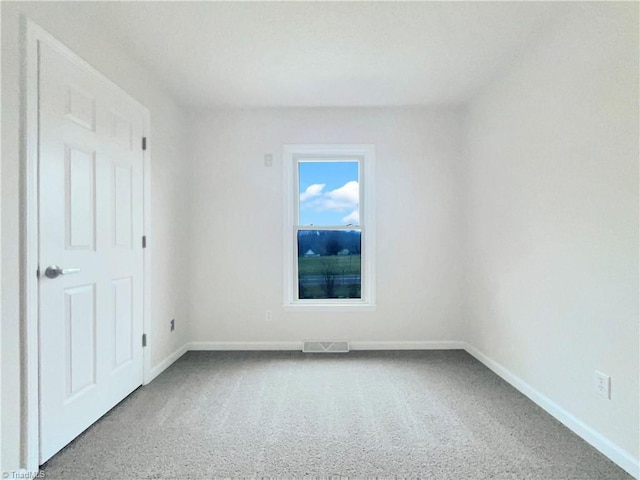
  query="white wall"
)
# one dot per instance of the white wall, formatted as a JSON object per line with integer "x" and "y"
{"x": 237, "y": 215}
{"x": 552, "y": 209}
{"x": 71, "y": 24}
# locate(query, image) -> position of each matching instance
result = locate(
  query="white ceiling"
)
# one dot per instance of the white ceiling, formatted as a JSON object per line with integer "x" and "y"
{"x": 212, "y": 54}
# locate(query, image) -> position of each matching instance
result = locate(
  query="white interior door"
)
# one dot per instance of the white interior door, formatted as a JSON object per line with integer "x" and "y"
{"x": 91, "y": 227}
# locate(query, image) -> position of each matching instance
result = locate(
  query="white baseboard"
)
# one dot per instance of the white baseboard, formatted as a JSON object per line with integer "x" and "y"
{"x": 618, "y": 455}
{"x": 248, "y": 346}
{"x": 353, "y": 345}
{"x": 166, "y": 363}
{"x": 402, "y": 345}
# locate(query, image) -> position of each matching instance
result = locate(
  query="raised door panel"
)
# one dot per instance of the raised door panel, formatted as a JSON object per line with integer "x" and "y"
{"x": 121, "y": 131}
{"x": 80, "y": 198}
{"x": 122, "y": 321}
{"x": 122, "y": 206}
{"x": 81, "y": 107}
{"x": 80, "y": 339}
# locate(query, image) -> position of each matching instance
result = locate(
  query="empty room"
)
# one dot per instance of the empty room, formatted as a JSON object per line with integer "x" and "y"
{"x": 320, "y": 239}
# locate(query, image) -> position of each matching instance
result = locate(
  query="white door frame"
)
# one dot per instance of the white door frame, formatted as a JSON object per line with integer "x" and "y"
{"x": 32, "y": 35}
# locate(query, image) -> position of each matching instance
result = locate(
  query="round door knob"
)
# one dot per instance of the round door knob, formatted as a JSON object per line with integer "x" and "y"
{"x": 53, "y": 271}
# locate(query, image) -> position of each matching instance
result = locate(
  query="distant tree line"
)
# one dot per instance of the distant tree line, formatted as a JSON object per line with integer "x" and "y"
{"x": 328, "y": 242}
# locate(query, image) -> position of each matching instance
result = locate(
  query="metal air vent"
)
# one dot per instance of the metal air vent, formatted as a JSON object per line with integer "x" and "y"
{"x": 327, "y": 346}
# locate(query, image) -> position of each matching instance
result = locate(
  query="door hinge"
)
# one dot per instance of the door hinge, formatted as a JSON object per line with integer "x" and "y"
{"x": 144, "y": 241}
{"x": 38, "y": 272}
{"x": 144, "y": 143}
{"x": 144, "y": 339}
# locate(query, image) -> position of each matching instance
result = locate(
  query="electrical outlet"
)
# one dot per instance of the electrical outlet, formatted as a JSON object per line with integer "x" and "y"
{"x": 603, "y": 384}
{"x": 268, "y": 160}
{"x": 268, "y": 316}
{"x": 173, "y": 324}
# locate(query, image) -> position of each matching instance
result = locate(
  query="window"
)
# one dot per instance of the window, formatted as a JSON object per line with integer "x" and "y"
{"x": 329, "y": 232}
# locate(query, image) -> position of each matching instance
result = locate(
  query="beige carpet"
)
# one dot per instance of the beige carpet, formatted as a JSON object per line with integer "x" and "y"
{"x": 417, "y": 414}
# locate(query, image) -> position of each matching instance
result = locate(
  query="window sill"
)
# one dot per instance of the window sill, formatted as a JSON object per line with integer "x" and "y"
{"x": 329, "y": 307}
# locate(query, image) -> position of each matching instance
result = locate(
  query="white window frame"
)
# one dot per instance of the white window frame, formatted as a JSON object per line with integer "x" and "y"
{"x": 365, "y": 156}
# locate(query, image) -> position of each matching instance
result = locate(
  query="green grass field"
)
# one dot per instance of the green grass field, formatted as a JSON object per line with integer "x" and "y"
{"x": 319, "y": 291}
{"x": 337, "y": 264}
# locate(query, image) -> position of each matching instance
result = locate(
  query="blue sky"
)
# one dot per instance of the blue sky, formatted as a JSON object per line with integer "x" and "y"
{"x": 329, "y": 193}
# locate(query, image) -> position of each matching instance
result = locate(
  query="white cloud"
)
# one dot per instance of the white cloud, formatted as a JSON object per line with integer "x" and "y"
{"x": 312, "y": 191}
{"x": 343, "y": 199}
{"x": 353, "y": 218}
